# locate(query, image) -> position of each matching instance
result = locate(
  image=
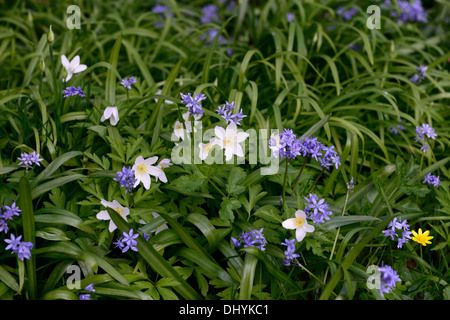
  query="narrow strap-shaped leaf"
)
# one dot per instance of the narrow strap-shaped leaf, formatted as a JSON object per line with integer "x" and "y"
{"x": 29, "y": 235}
{"x": 186, "y": 237}
{"x": 155, "y": 260}
{"x": 248, "y": 274}
{"x": 352, "y": 255}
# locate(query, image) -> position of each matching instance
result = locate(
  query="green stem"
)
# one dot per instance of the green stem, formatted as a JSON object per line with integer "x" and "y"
{"x": 317, "y": 179}
{"x": 298, "y": 177}
{"x": 337, "y": 234}
{"x": 285, "y": 182}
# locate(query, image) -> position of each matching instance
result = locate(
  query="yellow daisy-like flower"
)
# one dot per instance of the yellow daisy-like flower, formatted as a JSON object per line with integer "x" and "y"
{"x": 422, "y": 238}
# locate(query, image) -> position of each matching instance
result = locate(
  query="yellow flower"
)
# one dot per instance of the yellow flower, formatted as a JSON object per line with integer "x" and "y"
{"x": 422, "y": 238}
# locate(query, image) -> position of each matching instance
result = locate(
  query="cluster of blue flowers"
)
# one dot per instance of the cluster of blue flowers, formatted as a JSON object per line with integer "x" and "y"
{"x": 395, "y": 130}
{"x": 392, "y": 232}
{"x": 163, "y": 11}
{"x": 21, "y": 248}
{"x": 27, "y": 160}
{"x": 289, "y": 253}
{"x": 346, "y": 13}
{"x": 389, "y": 279}
{"x": 226, "y": 111}
{"x": 7, "y": 215}
{"x": 409, "y": 12}
{"x": 423, "y": 133}
{"x": 128, "y": 82}
{"x": 193, "y": 103}
{"x": 317, "y": 210}
{"x": 87, "y": 296}
{"x": 127, "y": 241}
{"x": 254, "y": 238}
{"x": 126, "y": 179}
{"x": 73, "y": 91}
{"x": 420, "y": 75}
{"x": 291, "y": 147}
{"x": 432, "y": 180}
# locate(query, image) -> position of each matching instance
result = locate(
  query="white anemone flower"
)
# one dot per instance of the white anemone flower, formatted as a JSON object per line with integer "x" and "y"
{"x": 230, "y": 139}
{"x": 299, "y": 224}
{"x": 104, "y": 215}
{"x": 164, "y": 163}
{"x": 143, "y": 169}
{"x": 112, "y": 114}
{"x": 206, "y": 147}
{"x": 72, "y": 67}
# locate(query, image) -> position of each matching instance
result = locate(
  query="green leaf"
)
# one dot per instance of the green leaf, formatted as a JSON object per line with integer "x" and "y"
{"x": 8, "y": 279}
{"x": 155, "y": 260}
{"x": 29, "y": 235}
{"x": 226, "y": 209}
{"x": 339, "y": 221}
{"x": 248, "y": 274}
{"x": 418, "y": 189}
{"x": 235, "y": 180}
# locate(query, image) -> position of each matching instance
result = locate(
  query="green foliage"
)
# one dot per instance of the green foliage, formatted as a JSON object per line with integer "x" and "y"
{"x": 301, "y": 75}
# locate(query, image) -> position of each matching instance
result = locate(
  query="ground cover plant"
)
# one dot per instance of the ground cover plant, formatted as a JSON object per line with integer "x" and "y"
{"x": 267, "y": 150}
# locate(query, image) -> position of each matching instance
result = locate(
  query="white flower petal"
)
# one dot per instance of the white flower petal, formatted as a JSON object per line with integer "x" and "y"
{"x": 112, "y": 226}
{"x": 149, "y": 161}
{"x": 288, "y": 224}
{"x": 300, "y": 234}
{"x": 146, "y": 181}
{"x": 65, "y": 62}
{"x": 103, "y": 215}
{"x": 80, "y": 68}
{"x": 75, "y": 62}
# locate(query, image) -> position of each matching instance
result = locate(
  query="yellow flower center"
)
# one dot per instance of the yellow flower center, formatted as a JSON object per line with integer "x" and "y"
{"x": 142, "y": 168}
{"x": 229, "y": 142}
{"x": 119, "y": 211}
{"x": 179, "y": 126}
{"x": 208, "y": 147}
{"x": 298, "y": 222}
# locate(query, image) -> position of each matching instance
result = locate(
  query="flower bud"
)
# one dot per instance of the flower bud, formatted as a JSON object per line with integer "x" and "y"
{"x": 42, "y": 66}
{"x": 50, "y": 36}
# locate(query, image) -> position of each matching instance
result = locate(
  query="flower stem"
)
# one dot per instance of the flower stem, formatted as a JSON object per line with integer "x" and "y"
{"x": 337, "y": 234}
{"x": 284, "y": 182}
{"x": 317, "y": 179}
{"x": 298, "y": 177}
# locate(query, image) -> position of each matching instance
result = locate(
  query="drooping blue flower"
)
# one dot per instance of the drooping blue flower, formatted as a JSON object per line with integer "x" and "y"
{"x": 129, "y": 241}
{"x": 389, "y": 279}
{"x": 193, "y": 103}
{"x": 128, "y": 82}
{"x": 73, "y": 91}
{"x": 254, "y": 238}
{"x": 85, "y": 296}
{"x": 391, "y": 231}
{"x": 90, "y": 287}
{"x": 10, "y": 212}
{"x": 290, "y": 16}
{"x": 432, "y": 180}
{"x": 346, "y": 13}
{"x": 408, "y": 12}
{"x": 21, "y": 248}
{"x": 317, "y": 210}
{"x": 126, "y": 179}
{"x": 4, "y": 226}
{"x": 289, "y": 253}
{"x": 164, "y": 12}
{"x": 27, "y": 160}
{"x": 226, "y": 111}
{"x": 210, "y": 14}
